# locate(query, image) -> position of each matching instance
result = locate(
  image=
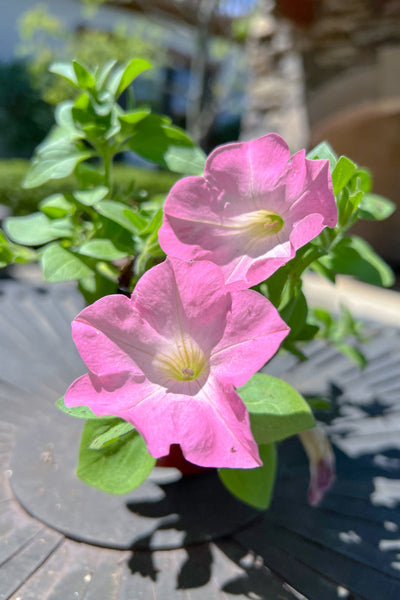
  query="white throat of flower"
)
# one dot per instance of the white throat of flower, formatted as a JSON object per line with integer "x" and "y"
{"x": 258, "y": 224}
{"x": 182, "y": 361}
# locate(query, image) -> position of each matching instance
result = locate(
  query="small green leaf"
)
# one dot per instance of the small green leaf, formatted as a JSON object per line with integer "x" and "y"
{"x": 276, "y": 409}
{"x": 362, "y": 180}
{"x": 104, "y": 72}
{"x": 188, "y": 161}
{"x": 119, "y": 466}
{"x": 353, "y": 353}
{"x": 294, "y": 313}
{"x": 318, "y": 403}
{"x": 123, "y": 76}
{"x": 103, "y": 249}
{"x": 342, "y": 173}
{"x": 374, "y": 207}
{"x": 60, "y": 264}
{"x": 325, "y": 151}
{"x": 90, "y": 197}
{"x": 64, "y": 118}
{"x": 116, "y": 431}
{"x": 54, "y": 162}
{"x": 84, "y": 78}
{"x": 81, "y": 412}
{"x": 120, "y": 213}
{"x": 56, "y": 206}
{"x": 65, "y": 70}
{"x": 36, "y": 229}
{"x": 354, "y": 256}
{"x": 253, "y": 486}
{"x": 135, "y": 116}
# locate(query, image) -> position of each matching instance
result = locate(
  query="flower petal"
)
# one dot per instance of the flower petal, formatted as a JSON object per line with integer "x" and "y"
{"x": 181, "y": 298}
{"x": 246, "y": 170}
{"x": 111, "y": 336}
{"x": 252, "y": 335}
{"x": 212, "y": 427}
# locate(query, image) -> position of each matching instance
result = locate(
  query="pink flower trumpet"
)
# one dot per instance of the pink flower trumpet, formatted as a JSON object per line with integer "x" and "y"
{"x": 254, "y": 207}
{"x": 168, "y": 360}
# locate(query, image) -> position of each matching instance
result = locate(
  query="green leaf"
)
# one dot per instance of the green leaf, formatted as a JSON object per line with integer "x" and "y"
{"x": 103, "y": 249}
{"x": 189, "y": 161}
{"x": 123, "y": 76}
{"x": 81, "y": 412}
{"x": 342, "y": 173}
{"x": 120, "y": 213}
{"x": 60, "y": 264}
{"x": 113, "y": 433}
{"x": 253, "y": 486}
{"x": 135, "y": 116}
{"x": 276, "y": 409}
{"x": 66, "y": 71}
{"x": 353, "y": 353}
{"x": 36, "y": 229}
{"x": 54, "y": 162}
{"x": 325, "y": 151}
{"x": 96, "y": 286}
{"x": 374, "y": 207}
{"x": 362, "y": 180}
{"x": 84, "y": 78}
{"x": 119, "y": 466}
{"x": 318, "y": 403}
{"x": 166, "y": 145}
{"x": 90, "y": 197}
{"x": 295, "y": 315}
{"x": 65, "y": 121}
{"x": 354, "y": 256}
{"x": 56, "y": 206}
{"x": 104, "y": 72}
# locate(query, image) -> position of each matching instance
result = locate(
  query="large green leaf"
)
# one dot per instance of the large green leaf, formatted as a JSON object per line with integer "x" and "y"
{"x": 60, "y": 264}
{"x": 374, "y": 207}
{"x": 36, "y": 229}
{"x": 276, "y": 409}
{"x": 354, "y": 256}
{"x": 54, "y": 162}
{"x": 253, "y": 486}
{"x": 120, "y": 465}
{"x": 167, "y": 145}
{"x": 103, "y": 249}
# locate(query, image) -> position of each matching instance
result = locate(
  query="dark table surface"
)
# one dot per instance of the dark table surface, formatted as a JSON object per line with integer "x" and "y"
{"x": 349, "y": 547}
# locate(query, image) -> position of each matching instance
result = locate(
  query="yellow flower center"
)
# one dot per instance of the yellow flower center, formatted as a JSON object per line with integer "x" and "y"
{"x": 183, "y": 361}
{"x": 261, "y": 223}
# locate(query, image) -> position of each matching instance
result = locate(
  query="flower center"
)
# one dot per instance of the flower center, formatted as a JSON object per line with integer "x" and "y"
{"x": 263, "y": 222}
{"x": 182, "y": 361}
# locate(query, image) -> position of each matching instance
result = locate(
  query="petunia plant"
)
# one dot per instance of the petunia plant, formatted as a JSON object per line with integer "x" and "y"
{"x": 212, "y": 283}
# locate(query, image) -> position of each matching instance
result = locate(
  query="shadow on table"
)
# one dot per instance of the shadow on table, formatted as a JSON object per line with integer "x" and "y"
{"x": 347, "y": 547}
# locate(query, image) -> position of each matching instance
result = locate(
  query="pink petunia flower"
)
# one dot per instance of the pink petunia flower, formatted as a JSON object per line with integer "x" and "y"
{"x": 254, "y": 207}
{"x": 168, "y": 359}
